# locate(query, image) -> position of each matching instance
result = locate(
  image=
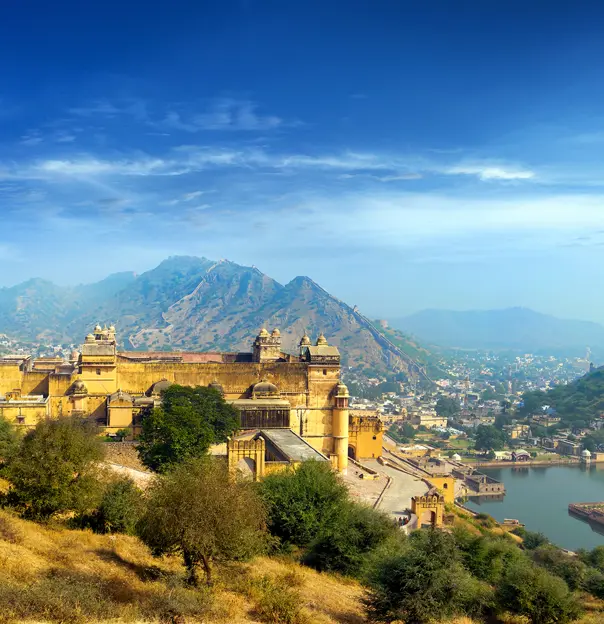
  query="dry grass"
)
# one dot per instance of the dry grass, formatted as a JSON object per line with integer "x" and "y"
{"x": 58, "y": 575}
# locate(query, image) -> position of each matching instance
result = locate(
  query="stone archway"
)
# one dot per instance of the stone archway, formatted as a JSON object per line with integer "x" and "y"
{"x": 352, "y": 452}
{"x": 428, "y": 517}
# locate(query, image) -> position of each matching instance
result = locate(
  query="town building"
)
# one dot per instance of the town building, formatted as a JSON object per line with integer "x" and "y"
{"x": 566, "y": 447}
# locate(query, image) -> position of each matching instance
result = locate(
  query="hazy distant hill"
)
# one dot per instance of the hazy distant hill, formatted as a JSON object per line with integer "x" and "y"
{"x": 512, "y": 328}
{"x": 196, "y": 303}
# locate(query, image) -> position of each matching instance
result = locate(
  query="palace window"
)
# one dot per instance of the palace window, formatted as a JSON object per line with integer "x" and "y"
{"x": 264, "y": 418}
{"x": 98, "y": 371}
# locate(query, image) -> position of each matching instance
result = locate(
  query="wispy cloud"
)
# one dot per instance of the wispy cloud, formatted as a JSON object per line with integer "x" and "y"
{"x": 33, "y": 137}
{"x": 193, "y": 195}
{"x": 224, "y": 114}
{"x": 491, "y": 172}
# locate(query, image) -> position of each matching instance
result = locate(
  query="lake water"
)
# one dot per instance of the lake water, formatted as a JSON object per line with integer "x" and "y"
{"x": 539, "y": 498}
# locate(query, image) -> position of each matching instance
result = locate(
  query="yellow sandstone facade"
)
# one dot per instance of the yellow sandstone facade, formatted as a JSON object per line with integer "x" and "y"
{"x": 272, "y": 389}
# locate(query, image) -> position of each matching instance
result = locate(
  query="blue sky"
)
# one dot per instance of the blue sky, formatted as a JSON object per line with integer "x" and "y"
{"x": 403, "y": 154}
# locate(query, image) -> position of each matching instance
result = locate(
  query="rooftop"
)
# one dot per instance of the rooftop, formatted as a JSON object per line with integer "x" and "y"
{"x": 292, "y": 445}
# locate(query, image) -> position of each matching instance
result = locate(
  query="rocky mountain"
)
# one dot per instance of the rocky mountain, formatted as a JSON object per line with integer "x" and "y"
{"x": 197, "y": 304}
{"x": 512, "y": 328}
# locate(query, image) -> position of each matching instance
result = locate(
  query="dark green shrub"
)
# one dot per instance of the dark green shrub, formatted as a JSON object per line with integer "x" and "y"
{"x": 303, "y": 502}
{"x": 426, "y": 582}
{"x": 120, "y": 509}
{"x": 533, "y": 592}
{"x": 344, "y": 545}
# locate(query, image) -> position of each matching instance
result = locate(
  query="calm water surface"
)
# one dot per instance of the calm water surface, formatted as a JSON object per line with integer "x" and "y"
{"x": 539, "y": 497}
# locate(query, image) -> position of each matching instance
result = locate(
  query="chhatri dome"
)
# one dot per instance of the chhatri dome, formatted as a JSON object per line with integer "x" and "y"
{"x": 321, "y": 340}
{"x": 263, "y": 333}
{"x": 305, "y": 341}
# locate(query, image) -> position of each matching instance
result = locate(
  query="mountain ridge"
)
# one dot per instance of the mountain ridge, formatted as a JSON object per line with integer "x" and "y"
{"x": 500, "y": 329}
{"x": 190, "y": 303}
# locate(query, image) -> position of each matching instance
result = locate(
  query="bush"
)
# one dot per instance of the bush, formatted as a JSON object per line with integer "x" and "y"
{"x": 532, "y": 540}
{"x": 276, "y": 602}
{"x": 425, "y": 583}
{"x": 571, "y": 569}
{"x": 121, "y": 508}
{"x": 344, "y": 545}
{"x": 533, "y": 592}
{"x": 55, "y": 470}
{"x": 301, "y": 503}
{"x": 486, "y": 557}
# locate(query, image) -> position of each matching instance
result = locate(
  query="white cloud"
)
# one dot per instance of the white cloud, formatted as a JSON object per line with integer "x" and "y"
{"x": 491, "y": 172}
{"x": 193, "y": 195}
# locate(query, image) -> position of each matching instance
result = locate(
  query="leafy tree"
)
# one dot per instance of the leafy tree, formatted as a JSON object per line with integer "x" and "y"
{"x": 425, "y": 583}
{"x": 539, "y": 431}
{"x": 9, "y": 441}
{"x": 531, "y": 591}
{"x": 120, "y": 509}
{"x": 303, "y": 502}
{"x": 489, "y": 438}
{"x": 501, "y": 420}
{"x": 447, "y": 407}
{"x": 187, "y": 423}
{"x": 402, "y": 433}
{"x": 198, "y": 511}
{"x": 532, "y": 402}
{"x": 486, "y": 557}
{"x": 122, "y": 434}
{"x": 54, "y": 470}
{"x": 532, "y": 540}
{"x": 571, "y": 569}
{"x": 594, "y": 558}
{"x": 593, "y": 440}
{"x": 343, "y": 546}
{"x": 488, "y": 394}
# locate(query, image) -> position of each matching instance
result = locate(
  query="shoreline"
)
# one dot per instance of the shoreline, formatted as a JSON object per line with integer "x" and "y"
{"x": 512, "y": 464}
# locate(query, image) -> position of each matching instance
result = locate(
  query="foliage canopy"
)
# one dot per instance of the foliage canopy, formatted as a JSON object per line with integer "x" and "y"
{"x": 187, "y": 423}
{"x": 198, "y": 511}
{"x": 54, "y": 469}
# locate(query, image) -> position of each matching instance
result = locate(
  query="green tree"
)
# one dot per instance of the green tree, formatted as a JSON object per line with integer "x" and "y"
{"x": 425, "y": 583}
{"x": 532, "y": 402}
{"x": 120, "y": 509}
{"x": 539, "y": 431}
{"x": 532, "y": 540}
{"x": 198, "y": 511}
{"x": 593, "y": 558}
{"x": 484, "y": 556}
{"x": 571, "y": 569}
{"x": 531, "y": 591}
{"x": 9, "y": 441}
{"x": 447, "y": 407}
{"x": 55, "y": 469}
{"x": 303, "y": 502}
{"x": 344, "y": 545}
{"x": 489, "y": 438}
{"x": 187, "y": 423}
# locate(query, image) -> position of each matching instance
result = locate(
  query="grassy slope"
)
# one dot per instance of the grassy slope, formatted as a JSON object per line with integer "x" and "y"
{"x": 60, "y": 575}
